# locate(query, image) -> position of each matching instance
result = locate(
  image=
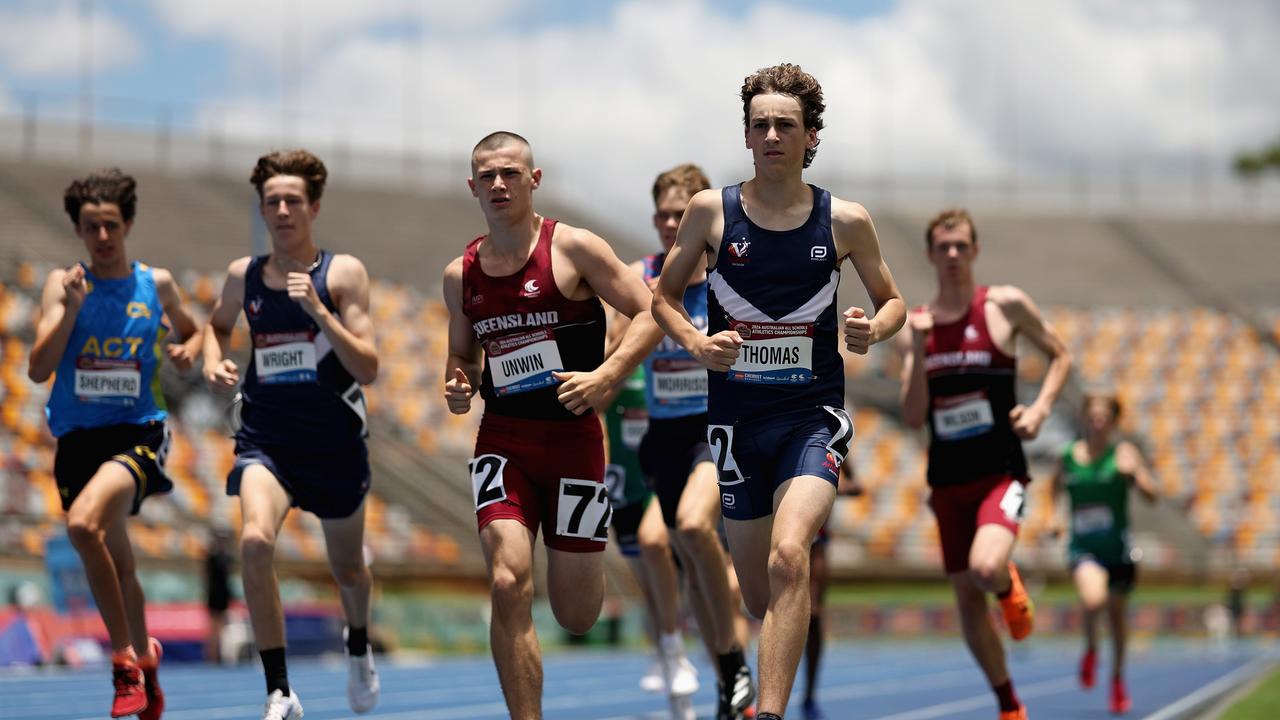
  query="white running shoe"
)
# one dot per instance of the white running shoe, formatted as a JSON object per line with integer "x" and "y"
{"x": 683, "y": 680}
{"x": 652, "y": 680}
{"x": 282, "y": 707}
{"x": 363, "y": 685}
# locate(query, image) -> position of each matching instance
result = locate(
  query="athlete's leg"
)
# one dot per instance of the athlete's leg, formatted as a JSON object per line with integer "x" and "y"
{"x": 817, "y": 597}
{"x": 118, "y": 545}
{"x": 698, "y": 542}
{"x": 263, "y": 506}
{"x": 979, "y": 630}
{"x": 575, "y": 584}
{"x": 801, "y": 506}
{"x": 1118, "y": 614}
{"x": 1091, "y": 585}
{"x": 662, "y": 580}
{"x": 508, "y": 552}
{"x": 741, "y": 626}
{"x": 104, "y": 503}
{"x": 344, "y": 543}
{"x": 989, "y": 558}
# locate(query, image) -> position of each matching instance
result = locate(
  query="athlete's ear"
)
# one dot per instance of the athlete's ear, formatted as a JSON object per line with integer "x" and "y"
{"x": 813, "y": 138}
{"x": 315, "y": 209}
{"x": 536, "y": 174}
{"x": 471, "y": 183}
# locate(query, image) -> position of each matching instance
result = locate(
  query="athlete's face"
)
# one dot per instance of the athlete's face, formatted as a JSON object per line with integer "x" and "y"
{"x": 287, "y": 211}
{"x": 953, "y": 250}
{"x": 775, "y": 131}
{"x": 1099, "y": 416}
{"x": 667, "y": 215}
{"x": 102, "y": 229}
{"x": 503, "y": 181}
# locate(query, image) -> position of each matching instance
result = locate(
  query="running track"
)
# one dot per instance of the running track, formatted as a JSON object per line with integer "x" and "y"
{"x": 880, "y": 681}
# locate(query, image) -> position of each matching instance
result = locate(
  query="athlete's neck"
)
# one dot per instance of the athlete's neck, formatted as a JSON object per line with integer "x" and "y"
{"x": 111, "y": 271}
{"x": 1096, "y": 444}
{"x": 954, "y": 296}
{"x": 513, "y": 241}
{"x": 302, "y": 258}
{"x": 777, "y": 194}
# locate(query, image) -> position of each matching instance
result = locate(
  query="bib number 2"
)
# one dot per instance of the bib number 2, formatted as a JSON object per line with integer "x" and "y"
{"x": 486, "y": 479}
{"x": 583, "y": 510}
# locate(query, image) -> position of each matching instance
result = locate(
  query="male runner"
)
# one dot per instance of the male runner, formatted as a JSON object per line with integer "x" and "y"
{"x": 677, "y": 460}
{"x": 101, "y": 328}
{"x": 302, "y": 413}
{"x": 1096, "y": 472}
{"x": 777, "y": 427}
{"x": 958, "y": 376}
{"x": 528, "y": 294}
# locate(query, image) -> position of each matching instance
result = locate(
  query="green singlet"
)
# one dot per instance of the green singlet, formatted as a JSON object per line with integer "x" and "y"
{"x": 1099, "y": 495}
{"x": 627, "y": 418}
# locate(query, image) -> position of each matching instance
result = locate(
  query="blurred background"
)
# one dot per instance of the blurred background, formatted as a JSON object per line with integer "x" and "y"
{"x": 1122, "y": 161}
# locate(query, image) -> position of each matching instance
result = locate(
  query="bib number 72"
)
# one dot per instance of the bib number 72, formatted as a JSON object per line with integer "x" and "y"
{"x": 583, "y": 510}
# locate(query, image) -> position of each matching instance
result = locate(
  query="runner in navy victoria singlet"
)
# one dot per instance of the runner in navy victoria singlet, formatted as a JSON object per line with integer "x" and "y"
{"x": 290, "y": 358}
{"x": 971, "y": 391}
{"x": 528, "y": 329}
{"x": 779, "y": 411}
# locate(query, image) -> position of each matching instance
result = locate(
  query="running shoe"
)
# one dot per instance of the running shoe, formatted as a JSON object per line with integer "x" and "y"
{"x": 810, "y": 711}
{"x": 652, "y": 680}
{"x": 1019, "y": 714}
{"x": 130, "y": 686}
{"x": 736, "y": 696}
{"x": 1120, "y": 702}
{"x": 155, "y": 696}
{"x": 1019, "y": 612}
{"x": 363, "y": 686}
{"x": 1088, "y": 668}
{"x": 282, "y": 707}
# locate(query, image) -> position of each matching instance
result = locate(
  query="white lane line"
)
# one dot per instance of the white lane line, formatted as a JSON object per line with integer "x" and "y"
{"x": 977, "y": 702}
{"x": 1220, "y": 685}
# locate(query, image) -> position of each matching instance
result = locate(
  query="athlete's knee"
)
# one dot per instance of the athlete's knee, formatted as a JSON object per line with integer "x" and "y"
{"x": 789, "y": 564}
{"x": 257, "y": 545}
{"x": 350, "y": 574}
{"x": 653, "y": 549}
{"x": 84, "y": 531}
{"x": 510, "y": 588}
{"x": 987, "y": 574}
{"x": 577, "y": 616}
{"x": 693, "y": 532}
{"x": 1094, "y": 602}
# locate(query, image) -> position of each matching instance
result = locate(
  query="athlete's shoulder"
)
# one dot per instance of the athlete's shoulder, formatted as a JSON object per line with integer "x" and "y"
{"x": 239, "y": 267}
{"x": 344, "y": 267}
{"x": 848, "y": 212}
{"x": 1009, "y": 298}
{"x": 711, "y": 199}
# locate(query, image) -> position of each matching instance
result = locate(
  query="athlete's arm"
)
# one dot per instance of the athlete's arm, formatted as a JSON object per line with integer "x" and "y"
{"x": 915, "y": 385}
{"x": 622, "y": 289}
{"x": 464, "y": 352}
{"x": 617, "y": 323}
{"x": 351, "y": 332}
{"x": 220, "y": 371}
{"x": 60, "y": 302}
{"x": 185, "y": 353}
{"x": 1056, "y": 526}
{"x": 1129, "y": 461}
{"x": 717, "y": 352}
{"x": 855, "y": 238}
{"x": 1025, "y": 318}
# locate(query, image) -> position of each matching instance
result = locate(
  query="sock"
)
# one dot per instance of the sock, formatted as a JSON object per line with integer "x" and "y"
{"x": 357, "y": 640}
{"x": 274, "y": 668}
{"x": 124, "y": 656}
{"x": 1006, "y": 697}
{"x": 768, "y": 716}
{"x": 729, "y": 663}
{"x": 671, "y": 644}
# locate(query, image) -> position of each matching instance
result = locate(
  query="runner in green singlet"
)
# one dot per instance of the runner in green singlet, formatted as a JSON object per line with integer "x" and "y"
{"x": 1096, "y": 472}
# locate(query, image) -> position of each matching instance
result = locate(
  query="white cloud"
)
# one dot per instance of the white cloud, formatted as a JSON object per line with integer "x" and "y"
{"x": 45, "y": 40}
{"x": 936, "y": 88}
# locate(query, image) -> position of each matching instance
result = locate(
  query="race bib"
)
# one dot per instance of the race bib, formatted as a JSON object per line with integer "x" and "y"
{"x": 1091, "y": 519}
{"x": 675, "y": 380}
{"x": 773, "y": 353}
{"x": 285, "y": 357}
{"x": 523, "y": 362}
{"x": 108, "y": 380}
{"x": 955, "y": 418}
{"x": 635, "y": 423}
{"x": 583, "y": 510}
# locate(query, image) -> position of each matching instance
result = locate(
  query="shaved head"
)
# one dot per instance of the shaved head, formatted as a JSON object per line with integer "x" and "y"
{"x": 501, "y": 140}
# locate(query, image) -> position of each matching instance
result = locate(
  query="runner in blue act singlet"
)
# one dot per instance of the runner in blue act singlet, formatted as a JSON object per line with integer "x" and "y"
{"x": 779, "y": 411}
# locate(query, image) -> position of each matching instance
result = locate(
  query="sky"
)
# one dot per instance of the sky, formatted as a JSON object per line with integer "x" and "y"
{"x": 612, "y": 92}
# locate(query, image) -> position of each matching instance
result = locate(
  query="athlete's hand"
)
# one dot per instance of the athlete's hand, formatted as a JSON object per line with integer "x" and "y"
{"x": 581, "y": 391}
{"x": 178, "y": 355}
{"x": 303, "y": 292}
{"x": 74, "y": 287}
{"x": 458, "y": 392}
{"x": 720, "y": 351}
{"x": 847, "y": 484}
{"x": 652, "y": 283}
{"x": 857, "y": 330}
{"x": 921, "y": 322}
{"x": 223, "y": 377}
{"x": 1026, "y": 421}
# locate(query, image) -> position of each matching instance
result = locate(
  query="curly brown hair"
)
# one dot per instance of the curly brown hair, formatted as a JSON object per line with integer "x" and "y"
{"x": 300, "y": 163}
{"x": 104, "y": 186}
{"x": 948, "y": 219}
{"x": 787, "y": 79}
{"x": 687, "y": 177}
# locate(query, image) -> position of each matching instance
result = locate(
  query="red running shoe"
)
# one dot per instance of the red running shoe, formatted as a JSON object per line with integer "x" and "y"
{"x": 131, "y": 692}
{"x": 155, "y": 696}
{"x": 1088, "y": 668}
{"x": 1120, "y": 702}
